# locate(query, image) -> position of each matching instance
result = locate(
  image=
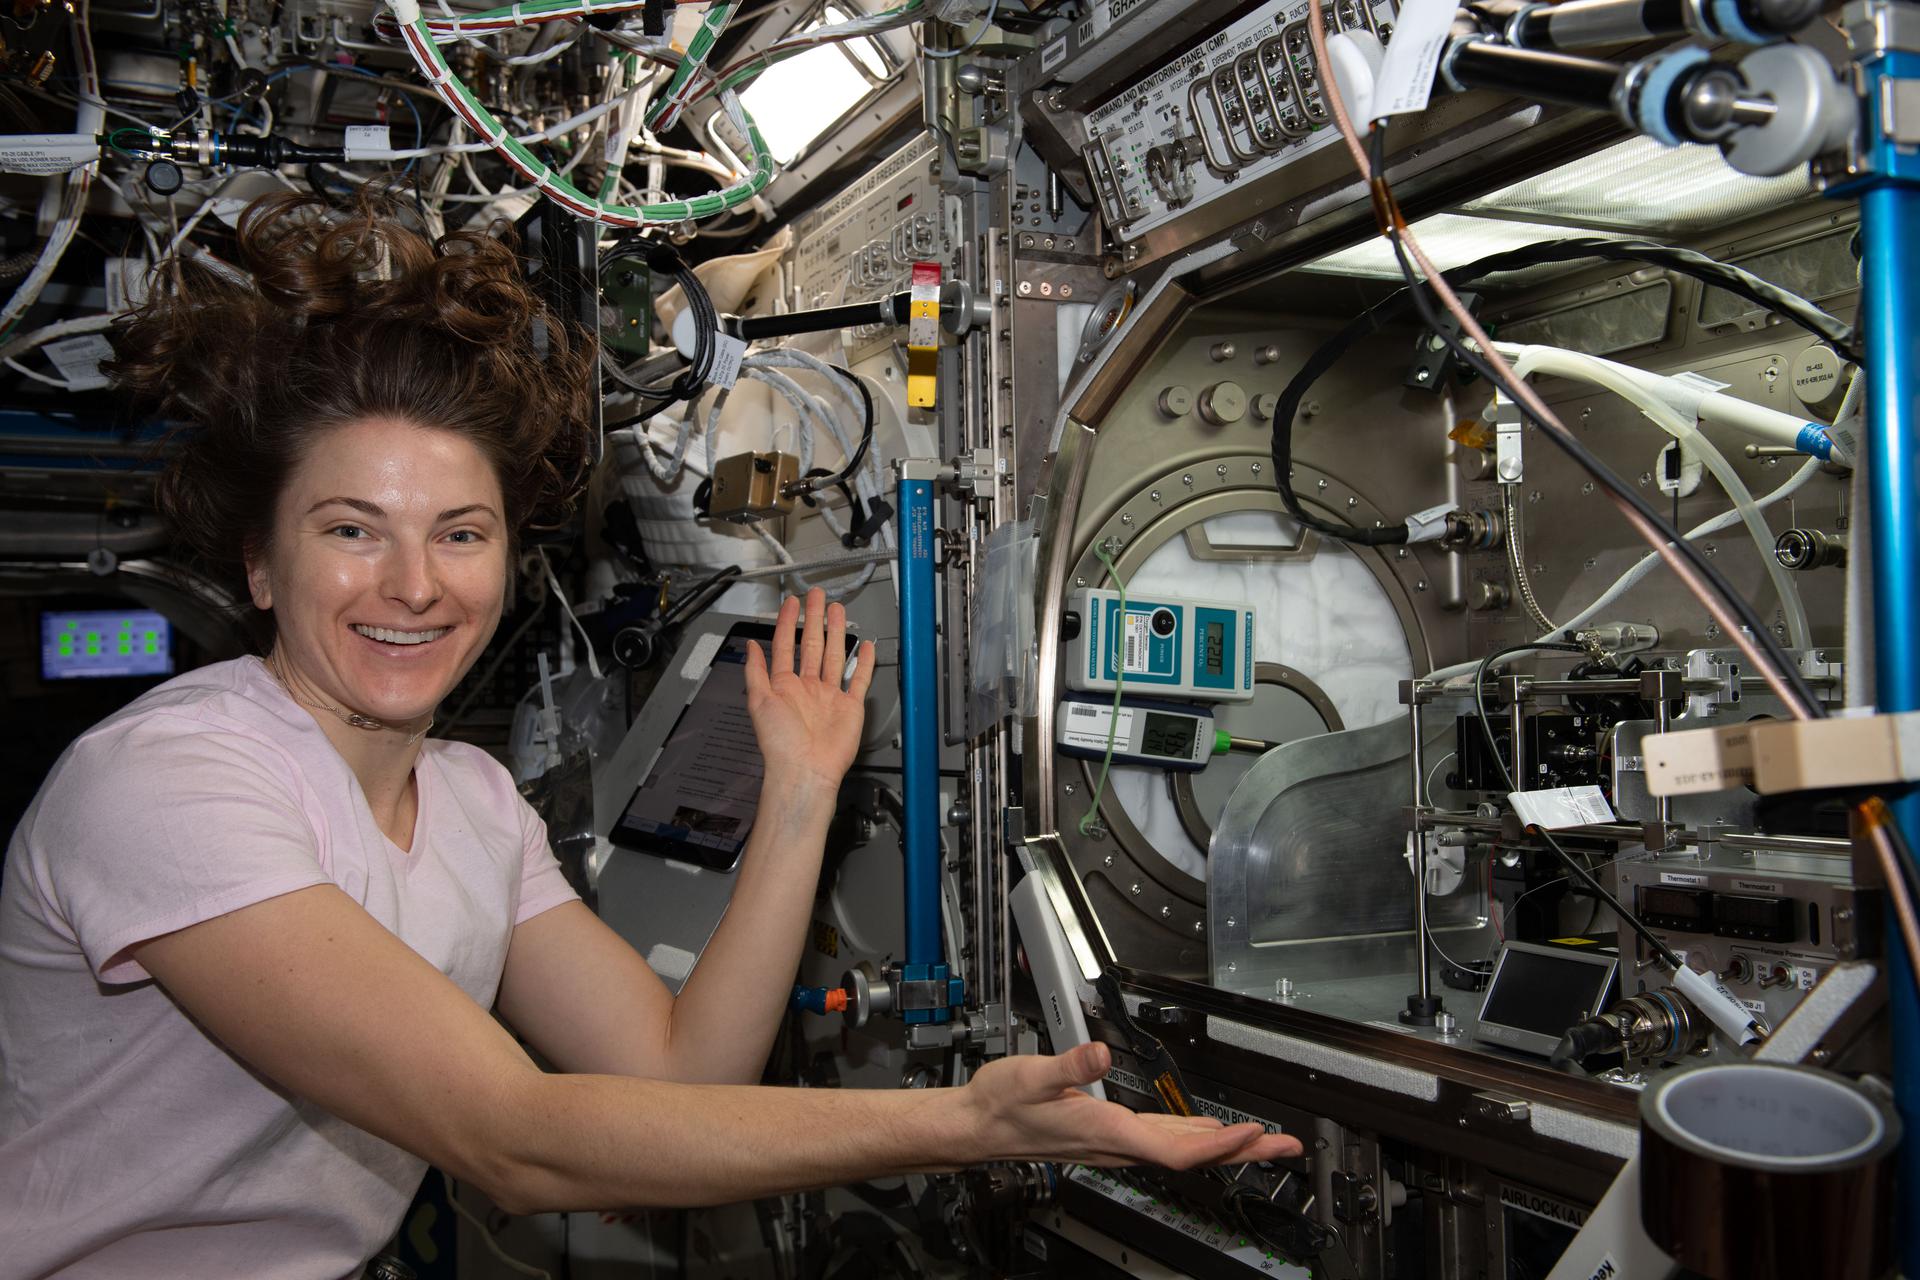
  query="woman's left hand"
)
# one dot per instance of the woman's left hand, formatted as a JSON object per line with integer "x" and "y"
{"x": 807, "y": 725}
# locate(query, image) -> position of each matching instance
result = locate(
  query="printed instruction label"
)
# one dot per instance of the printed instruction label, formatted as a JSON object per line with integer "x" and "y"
{"x": 1556, "y": 807}
{"x": 728, "y": 352}
{"x": 1697, "y": 760}
{"x": 78, "y": 360}
{"x": 1089, "y": 726}
{"x": 1406, "y": 74}
{"x": 43, "y": 153}
{"x": 368, "y": 142}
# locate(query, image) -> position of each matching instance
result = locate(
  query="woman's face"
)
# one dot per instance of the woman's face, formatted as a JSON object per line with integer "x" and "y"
{"x": 388, "y": 567}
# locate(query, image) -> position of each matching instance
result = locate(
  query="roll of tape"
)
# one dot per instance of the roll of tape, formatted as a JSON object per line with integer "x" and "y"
{"x": 1759, "y": 1171}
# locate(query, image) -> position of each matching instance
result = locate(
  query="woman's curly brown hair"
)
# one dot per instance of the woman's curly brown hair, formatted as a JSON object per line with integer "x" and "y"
{"x": 348, "y": 317}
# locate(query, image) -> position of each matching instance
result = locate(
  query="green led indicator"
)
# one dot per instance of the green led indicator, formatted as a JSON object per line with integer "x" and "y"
{"x": 153, "y": 646}
{"x": 152, "y": 636}
{"x": 66, "y": 646}
{"x": 126, "y": 646}
{"x": 73, "y": 624}
{"x": 126, "y": 624}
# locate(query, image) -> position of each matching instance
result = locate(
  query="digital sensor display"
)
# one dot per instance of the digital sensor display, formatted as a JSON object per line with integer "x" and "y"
{"x": 1168, "y": 736}
{"x": 1213, "y": 649}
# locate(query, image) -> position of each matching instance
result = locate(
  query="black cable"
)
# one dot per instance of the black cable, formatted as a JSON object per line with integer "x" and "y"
{"x": 841, "y": 477}
{"x": 1736, "y": 603}
{"x": 663, "y": 259}
{"x": 685, "y": 606}
{"x": 1573, "y": 865}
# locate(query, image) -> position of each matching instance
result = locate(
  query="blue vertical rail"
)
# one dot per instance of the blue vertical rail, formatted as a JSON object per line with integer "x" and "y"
{"x": 919, "y": 716}
{"x": 1890, "y": 316}
{"x": 1889, "y": 194}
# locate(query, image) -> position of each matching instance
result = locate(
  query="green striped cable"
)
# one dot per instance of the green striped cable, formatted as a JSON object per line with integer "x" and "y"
{"x": 668, "y": 107}
{"x": 433, "y": 65}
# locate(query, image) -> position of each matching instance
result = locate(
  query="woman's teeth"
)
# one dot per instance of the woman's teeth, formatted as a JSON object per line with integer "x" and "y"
{"x": 387, "y": 635}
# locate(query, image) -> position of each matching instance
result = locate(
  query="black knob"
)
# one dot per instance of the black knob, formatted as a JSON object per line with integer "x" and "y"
{"x": 163, "y": 177}
{"x": 1163, "y": 622}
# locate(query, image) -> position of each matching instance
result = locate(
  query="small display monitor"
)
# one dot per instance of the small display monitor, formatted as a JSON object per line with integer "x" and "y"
{"x": 697, "y": 802}
{"x": 84, "y": 644}
{"x": 1537, "y": 992}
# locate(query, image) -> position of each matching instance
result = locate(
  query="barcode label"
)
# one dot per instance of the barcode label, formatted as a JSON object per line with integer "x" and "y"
{"x": 1092, "y": 727}
{"x": 1137, "y": 656}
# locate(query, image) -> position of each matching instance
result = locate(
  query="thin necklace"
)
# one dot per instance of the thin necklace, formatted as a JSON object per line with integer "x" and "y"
{"x": 306, "y": 697}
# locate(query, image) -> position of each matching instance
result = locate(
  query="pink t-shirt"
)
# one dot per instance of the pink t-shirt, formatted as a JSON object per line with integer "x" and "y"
{"x": 131, "y": 1143}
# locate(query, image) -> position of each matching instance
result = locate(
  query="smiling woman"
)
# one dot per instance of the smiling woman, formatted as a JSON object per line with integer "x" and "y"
{"x": 253, "y": 924}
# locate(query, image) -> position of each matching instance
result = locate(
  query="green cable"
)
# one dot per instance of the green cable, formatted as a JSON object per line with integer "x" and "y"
{"x": 1119, "y": 682}
{"x": 697, "y": 50}
{"x": 433, "y": 66}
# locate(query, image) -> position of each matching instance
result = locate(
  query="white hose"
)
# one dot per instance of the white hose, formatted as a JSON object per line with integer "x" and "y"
{"x": 1645, "y": 565}
{"x": 1619, "y": 380}
{"x": 89, "y": 118}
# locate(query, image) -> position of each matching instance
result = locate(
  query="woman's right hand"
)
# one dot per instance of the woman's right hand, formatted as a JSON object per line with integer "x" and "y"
{"x": 1031, "y": 1107}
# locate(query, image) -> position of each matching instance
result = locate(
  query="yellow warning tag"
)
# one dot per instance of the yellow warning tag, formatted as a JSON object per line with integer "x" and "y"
{"x": 923, "y": 335}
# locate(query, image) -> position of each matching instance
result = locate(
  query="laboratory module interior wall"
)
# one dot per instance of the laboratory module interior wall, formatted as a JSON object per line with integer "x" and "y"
{"x": 1387, "y": 529}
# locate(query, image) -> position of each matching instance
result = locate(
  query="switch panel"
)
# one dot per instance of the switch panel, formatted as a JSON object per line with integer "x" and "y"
{"x": 1238, "y": 105}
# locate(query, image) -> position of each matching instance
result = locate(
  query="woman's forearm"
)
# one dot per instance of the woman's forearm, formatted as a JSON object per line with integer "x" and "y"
{"x": 605, "y": 1142}
{"x": 725, "y": 1018}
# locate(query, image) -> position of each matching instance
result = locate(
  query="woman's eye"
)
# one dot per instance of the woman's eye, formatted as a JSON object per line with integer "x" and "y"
{"x": 464, "y": 536}
{"x": 351, "y": 532}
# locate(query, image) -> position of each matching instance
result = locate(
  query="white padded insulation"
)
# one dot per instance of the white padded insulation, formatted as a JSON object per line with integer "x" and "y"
{"x": 1326, "y": 616}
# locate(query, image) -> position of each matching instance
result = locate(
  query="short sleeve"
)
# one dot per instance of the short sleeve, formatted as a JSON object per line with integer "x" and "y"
{"x": 165, "y": 822}
{"x": 543, "y": 886}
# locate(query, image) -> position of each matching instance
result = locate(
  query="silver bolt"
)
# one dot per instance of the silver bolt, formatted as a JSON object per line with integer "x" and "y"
{"x": 1322, "y": 484}
{"x": 1079, "y": 582}
{"x": 1587, "y": 487}
{"x": 1400, "y": 553}
{"x": 1256, "y": 468}
{"x": 1165, "y": 912}
{"x": 1187, "y": 480}
{"x": 1221, "y": 352}
{"x": 1126, "y": 517}
{"x": 1026, "y": 287}
{"x": 1047, "y": 243}
{"x": 1221, "y": 471}
{"x": 1066, "y": 291}
{"x": 1199, "y": 926}
{"x": 1707, "y": 548}
{"x": 1646, "y": 478}
{"x": 1069, "y": 788}
{"x": 1107, "y": 861}
{"x": 1134, "y": 888}
{"x": 1420, "y": 585}
{"x": 1046, "y": 288}
{"x": 1154, "y": 495}
{"x": 1591, "y": 563}
{"x": 1231, "y": 922}
{"x": 1352, "y": 503}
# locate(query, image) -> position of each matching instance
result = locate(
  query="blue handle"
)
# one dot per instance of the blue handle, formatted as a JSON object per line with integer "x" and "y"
{"x": 919, "y": 724}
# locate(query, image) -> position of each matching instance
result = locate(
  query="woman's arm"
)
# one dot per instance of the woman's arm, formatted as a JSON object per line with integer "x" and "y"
{"x": 722, "y": 1025}
{"x": 313, "y": 993}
